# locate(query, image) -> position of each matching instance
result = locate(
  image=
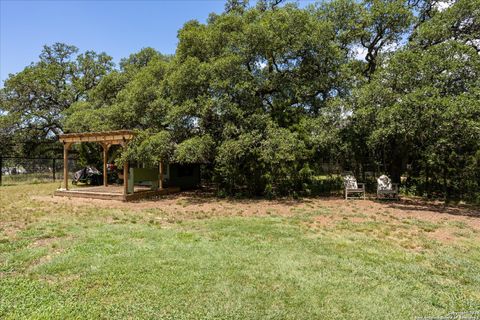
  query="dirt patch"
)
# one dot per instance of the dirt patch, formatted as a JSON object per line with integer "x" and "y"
{"x": 64, "y": 279}
{"x": 408, "y": 223}
{"x": 45, "y": 259}
{"x": 327, "y": 211}
{"x": 8, "y": 230}
{"x": 324, "y": 221}
{"x": 11, "y": 228}
{"x": 444, "y": 235}
{"x": 333, "y": 219}
{"x": 188, "y": 204}
{"x": 358, "y": 219}
{"x": 45, "y": 242}
{"x": 418, "y": 205}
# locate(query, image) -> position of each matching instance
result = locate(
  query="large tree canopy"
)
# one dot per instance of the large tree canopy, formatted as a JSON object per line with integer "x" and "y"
{"x": 33, "y": 100}
{"x": 422, "y": 107}
{"x": 263, "y": 94}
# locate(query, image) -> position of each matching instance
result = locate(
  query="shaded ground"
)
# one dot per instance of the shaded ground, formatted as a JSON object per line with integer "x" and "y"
{"x": 194, "y": 256}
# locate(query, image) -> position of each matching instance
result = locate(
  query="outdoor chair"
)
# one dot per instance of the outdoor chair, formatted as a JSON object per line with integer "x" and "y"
{"x": 352, "y": 187}
{"x": 385, "y": 188}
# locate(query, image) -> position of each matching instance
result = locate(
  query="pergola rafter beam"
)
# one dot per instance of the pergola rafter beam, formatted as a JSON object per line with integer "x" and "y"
{"x": 110, "y": 137}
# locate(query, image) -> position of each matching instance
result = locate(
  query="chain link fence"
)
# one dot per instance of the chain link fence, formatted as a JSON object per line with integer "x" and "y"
{"x": 326, "y": 180}
{"x": 17, "y": 170}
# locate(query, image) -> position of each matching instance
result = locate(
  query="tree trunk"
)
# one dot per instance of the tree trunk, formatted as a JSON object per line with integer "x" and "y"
{"x": 445, "y": 184}
{"x": 427, "y": 181}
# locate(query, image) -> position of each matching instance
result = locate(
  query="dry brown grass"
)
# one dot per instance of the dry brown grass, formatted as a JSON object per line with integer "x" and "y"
{"x": 406, "y": 217}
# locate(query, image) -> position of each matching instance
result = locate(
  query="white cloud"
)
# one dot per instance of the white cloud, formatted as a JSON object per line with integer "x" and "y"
{"x": 442, "y": 5}
{"x": 359, "y": 52}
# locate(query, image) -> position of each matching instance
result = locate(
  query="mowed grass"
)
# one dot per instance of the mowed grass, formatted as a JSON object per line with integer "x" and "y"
{"x": 60, "y": 260}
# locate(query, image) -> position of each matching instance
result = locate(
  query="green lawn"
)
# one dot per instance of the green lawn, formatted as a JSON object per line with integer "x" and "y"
{"x": 62, "y": 260}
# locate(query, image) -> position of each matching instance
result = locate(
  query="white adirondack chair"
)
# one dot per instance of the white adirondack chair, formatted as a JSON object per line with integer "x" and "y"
{"x": 353, "y": 187}
{"x": 385, "y": 188}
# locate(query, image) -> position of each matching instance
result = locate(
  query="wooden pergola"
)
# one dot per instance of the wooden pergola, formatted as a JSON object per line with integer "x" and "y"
{"x": 106, "y": 139}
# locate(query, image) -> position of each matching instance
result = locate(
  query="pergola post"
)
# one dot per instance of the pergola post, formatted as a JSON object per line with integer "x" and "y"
{"x": 125, "y": 179}
{"x": 66, "y": 146}
{"x": 105, "y": 146}
{"x": 160, "y": 175}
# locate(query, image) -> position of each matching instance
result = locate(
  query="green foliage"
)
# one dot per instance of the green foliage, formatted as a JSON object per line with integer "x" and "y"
{"x": 459, "y": 21}
{"x": 124, "y": 99}
{"x": 149, "y": 147}
{"x": 236, "y": 164}
{"x": 264, "y": 94}
{"x": 32, "y": 101}
{"x": 282, "y": 155}
{"x": 194, "y": 150}
{"x": 236, "y": 6}
{"x": 383, "y": 22}
{"x": 425, "y": 103}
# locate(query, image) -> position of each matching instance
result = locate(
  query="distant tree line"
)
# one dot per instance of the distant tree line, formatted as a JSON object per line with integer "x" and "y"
{"x": 263, "y": 94}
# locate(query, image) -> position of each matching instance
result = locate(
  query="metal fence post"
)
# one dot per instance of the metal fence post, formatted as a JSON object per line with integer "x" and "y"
{"x": 1, "y": 169}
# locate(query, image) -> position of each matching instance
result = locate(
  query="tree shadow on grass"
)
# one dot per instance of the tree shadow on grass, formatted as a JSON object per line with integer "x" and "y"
{"x": 206, "y": 196}
{"x": 201, "y": 196}
{"x": 434, "y": 206}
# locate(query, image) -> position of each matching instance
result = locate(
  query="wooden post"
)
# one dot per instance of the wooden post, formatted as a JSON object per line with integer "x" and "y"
{"x": 53, "y": 169}
{"x": 160, "y": 175}
{"x": 105, "y": 146}
{"x": 125, "y": 179}
{"x": 66, "y": 146}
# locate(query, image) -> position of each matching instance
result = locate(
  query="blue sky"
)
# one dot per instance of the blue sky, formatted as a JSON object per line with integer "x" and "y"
{"x": 118, "y": 28}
